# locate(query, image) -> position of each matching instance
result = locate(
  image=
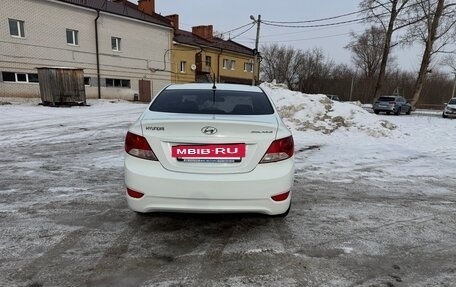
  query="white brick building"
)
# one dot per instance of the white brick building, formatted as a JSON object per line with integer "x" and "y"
{"x": 132, "y": 45}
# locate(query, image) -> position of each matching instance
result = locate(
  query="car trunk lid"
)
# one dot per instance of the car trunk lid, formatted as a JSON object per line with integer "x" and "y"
{"x": 209, "y": 143}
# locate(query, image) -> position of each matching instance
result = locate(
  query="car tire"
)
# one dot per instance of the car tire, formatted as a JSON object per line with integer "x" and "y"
{"x": 409, "y": 111}
{"x": 376, "y": 112}
{"x": 443, "y": 116}
{"x": 398, "y": 111}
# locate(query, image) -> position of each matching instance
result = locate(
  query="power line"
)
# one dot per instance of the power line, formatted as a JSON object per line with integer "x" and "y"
{"x": 238, "y": 28}
{"x": 313, "y": 26}
{"x": 245, "y": 31}
{"x": 307, "y": 39}
{"x": 287, "y": 24}
{"x": 319, "y": 26}
{"x": 247, "y": 40}
{"x": 269, "y": 23}
{"x": 339, "y": 16}
{"x": 327, "y": 18}
{"x": 300, "y": 32}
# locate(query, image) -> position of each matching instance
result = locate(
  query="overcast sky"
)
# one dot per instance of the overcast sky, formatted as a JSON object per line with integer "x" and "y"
{"x": 225, "y": 15}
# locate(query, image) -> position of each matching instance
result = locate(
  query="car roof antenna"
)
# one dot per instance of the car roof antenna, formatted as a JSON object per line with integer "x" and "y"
{"x": 214, "y": 88}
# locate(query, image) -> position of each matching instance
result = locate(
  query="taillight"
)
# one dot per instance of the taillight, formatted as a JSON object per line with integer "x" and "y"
{"x": 280, "y": 149}
{"x": 134, "y": 194}
{"x": 280, "y": 197}
{"x": 139, "y": 147}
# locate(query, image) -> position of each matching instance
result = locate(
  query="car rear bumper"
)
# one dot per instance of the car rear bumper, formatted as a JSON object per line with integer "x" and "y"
{"x": 166, "y": 190}
{"x": 449, "y": 114}
{"x": 384, "y": 109}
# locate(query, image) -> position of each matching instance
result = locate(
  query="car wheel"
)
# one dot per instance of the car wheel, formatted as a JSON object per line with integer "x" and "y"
{"x": 398, "y": 111}
{"x": 376, "y": 112}
{"x": 409, "y": 111}
{"x": 444, "y": 116}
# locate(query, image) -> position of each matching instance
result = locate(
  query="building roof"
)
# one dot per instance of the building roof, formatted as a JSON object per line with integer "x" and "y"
{"x": 188, "y": 38}
{"x": 126, "y": 9}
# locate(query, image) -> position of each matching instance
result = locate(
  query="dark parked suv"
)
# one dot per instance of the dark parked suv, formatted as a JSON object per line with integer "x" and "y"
{"x": 392, "y": 104}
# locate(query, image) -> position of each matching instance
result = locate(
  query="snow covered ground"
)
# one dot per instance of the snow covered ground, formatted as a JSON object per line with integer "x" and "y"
{"x": 374, "y": 204}
{"x": 348, "y": 138}
{"x": 354, "y": 144}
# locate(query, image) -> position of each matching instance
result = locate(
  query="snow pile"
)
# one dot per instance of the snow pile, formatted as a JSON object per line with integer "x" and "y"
{"x": 318, "y": 113}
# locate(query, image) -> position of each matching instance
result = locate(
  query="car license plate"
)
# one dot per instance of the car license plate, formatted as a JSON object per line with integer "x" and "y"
{"x": 208, "y": 153}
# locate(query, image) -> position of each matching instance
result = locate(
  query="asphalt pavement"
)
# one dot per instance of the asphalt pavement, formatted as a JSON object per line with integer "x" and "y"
{"x": 64, "y": 222}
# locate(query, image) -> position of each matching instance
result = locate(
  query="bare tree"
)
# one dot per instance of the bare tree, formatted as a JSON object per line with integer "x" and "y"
{"x": 280, "y": 63}
{"x": 304, "y": 71}
{"x": 435, "y": 32}
{"x": 310, "y": 71}
{"x": 341, "y": 82}
{"x": 313, "y": 69}
{"x": 367, "y": 50}
{"x": 387, "y": 14}
{"x": 450, "y": 61}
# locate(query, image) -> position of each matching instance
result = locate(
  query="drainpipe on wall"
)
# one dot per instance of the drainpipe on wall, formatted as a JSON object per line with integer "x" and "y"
{"x": 218, "y": 65}
{"x": 98, "y": 54}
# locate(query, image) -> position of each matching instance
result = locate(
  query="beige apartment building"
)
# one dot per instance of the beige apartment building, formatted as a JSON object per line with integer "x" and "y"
{"x": 122, "y": 49}
{"x": 199, "y": 56}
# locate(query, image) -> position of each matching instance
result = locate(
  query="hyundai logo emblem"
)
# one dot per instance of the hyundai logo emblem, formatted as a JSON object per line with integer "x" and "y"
{"x": 209, "y": 130}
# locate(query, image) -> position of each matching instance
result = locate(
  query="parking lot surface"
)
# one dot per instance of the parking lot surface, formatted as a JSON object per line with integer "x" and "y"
{"x": 64, "y": 219}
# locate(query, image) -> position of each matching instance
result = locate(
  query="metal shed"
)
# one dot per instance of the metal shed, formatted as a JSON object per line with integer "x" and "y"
{"x": 61, "y": 86}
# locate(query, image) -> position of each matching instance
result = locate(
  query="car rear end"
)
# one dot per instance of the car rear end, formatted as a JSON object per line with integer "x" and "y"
{"x": 198, "y": 149}
{"x": 385, "y": 104}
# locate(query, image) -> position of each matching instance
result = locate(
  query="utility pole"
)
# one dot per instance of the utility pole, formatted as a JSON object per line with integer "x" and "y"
{"x": 454, "y": 86}
{"x": 351, "y": 87}
{"x": 256, "y": 65}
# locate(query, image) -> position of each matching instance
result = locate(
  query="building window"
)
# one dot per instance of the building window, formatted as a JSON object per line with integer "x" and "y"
{"x": 16, "y": 28}
{"x": 72, "y": 37}
{"x": 33, "y": 78}
{"x": 20, "y": 77}
{"x": 86, "y": 81}
{"x": 229, "y": 64}
{"x": 117, "y": 83}
{"x": 248, "y": 67}
{"x": 183, "y": 66}
{"x": 208, "y": 61}
{"x": 9, "y": 77}
{"x": 115, "y": 44}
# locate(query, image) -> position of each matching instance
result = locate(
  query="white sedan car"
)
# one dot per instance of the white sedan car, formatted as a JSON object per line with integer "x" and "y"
{"x": 450, "y": 109}
{"x": 210, "y": 148}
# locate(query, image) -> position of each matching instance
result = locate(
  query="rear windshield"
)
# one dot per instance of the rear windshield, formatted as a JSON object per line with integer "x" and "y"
{"x": 386, "y": 99}
{"x": 212, "y": 102}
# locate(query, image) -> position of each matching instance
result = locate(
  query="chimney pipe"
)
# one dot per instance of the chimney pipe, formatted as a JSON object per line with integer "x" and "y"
{"x": 147, "y": 6}
{"x": 205, "y": 32}
{"x": 174, "y": 21}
